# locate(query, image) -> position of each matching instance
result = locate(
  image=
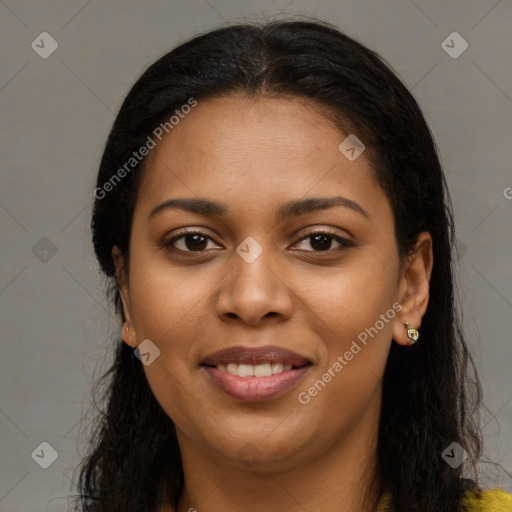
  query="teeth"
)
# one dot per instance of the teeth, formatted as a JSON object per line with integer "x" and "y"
{"x": 277, "y": 368}
{"x": 262, "y": 370}
{"x": 245, "y": 370}
{"x": 232, "y": 368}
{"x": 250, "y": 370}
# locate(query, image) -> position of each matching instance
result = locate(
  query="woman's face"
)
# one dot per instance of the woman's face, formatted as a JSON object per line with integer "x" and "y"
{"x": 265, "y": 278}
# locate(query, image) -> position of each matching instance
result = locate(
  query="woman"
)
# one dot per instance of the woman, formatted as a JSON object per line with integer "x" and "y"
{"x": 273, "y": 216}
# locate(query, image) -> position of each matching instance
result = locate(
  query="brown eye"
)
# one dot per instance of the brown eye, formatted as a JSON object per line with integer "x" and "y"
{"x": 322, "y": 241}
{"x": 195, "y": 242}
{"x": 190, "y": 241}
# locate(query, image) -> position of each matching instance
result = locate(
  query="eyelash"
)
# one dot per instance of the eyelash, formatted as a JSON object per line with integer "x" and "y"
{"x": 344, "y": 243}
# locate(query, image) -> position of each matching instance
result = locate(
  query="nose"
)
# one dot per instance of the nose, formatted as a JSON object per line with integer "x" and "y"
{"x": 255, "y": 293}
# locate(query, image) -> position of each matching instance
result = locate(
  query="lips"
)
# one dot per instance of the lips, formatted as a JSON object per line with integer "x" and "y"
{"x": 254, "y": 356}
{"x": 255, "y": 374}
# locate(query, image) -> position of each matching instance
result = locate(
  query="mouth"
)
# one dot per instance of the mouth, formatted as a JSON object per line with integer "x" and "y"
{"x": 255, "y": 374}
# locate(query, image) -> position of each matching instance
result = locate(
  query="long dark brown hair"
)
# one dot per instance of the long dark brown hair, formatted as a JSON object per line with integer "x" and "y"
{"x": 430, "y": 391}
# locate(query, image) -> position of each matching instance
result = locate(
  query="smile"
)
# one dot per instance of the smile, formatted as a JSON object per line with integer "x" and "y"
{"x": 255, "y": 374}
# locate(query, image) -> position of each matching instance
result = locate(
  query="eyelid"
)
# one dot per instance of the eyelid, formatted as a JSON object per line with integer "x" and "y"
{"x": 343, "y": 241}
{"x": 318, "y": 231}
{"x": 167, "y": 243}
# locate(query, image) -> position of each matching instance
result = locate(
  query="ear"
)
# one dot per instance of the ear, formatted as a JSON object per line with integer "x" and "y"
{"x": 414, "y": 288}
{"x": 122, "y": 281}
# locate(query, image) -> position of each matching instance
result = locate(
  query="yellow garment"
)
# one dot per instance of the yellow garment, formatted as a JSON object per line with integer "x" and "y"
{"x": 494, "y": 500}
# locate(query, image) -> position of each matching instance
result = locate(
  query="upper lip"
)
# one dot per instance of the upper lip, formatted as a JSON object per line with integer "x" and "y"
{"x": 255, "y": 355}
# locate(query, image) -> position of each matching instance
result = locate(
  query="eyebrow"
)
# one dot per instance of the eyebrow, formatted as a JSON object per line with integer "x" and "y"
{"x": 291, "y": 209}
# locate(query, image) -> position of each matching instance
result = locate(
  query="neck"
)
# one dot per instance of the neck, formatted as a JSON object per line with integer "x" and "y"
{"x": 340, "y": 479}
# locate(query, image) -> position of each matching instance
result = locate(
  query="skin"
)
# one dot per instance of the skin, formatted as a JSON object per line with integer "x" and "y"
{"x": 253, "y": 155}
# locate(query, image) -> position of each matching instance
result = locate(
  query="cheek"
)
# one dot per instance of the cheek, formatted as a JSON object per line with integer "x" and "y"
{"x": 178, "y": 398}
{"x": 348, "y": 302}
{"x": 357, "y": 316}
{"x": 168, "y": 308}
{"x": 165, "y": 301}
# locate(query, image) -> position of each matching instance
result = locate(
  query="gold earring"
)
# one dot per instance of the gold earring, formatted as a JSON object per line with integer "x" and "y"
{"x": 412, "y": 334}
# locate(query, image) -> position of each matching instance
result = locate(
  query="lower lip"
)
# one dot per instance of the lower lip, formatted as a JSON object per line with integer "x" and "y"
{"x": 256, "y": 389}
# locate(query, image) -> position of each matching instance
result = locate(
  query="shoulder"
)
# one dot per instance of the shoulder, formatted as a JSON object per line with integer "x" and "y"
{"x": 493, "y": 500}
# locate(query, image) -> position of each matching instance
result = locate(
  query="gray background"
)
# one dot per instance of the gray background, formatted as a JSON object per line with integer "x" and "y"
{"x": 57, "y": 112}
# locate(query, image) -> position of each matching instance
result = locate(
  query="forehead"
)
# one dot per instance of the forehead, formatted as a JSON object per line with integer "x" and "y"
{"x": 246, "y": 148}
